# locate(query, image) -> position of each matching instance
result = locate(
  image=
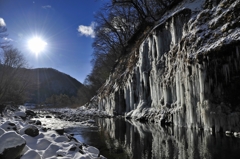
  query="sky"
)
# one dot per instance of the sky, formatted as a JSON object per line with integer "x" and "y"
{"x": 66, "y": 26}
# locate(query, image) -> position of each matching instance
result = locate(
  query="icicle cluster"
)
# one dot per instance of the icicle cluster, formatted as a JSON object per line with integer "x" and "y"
{"x": 187, "y": 71}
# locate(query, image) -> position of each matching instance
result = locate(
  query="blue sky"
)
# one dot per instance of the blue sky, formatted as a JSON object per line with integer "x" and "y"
{"x": 65, "y": 25}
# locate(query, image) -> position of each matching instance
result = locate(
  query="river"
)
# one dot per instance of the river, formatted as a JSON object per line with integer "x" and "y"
{"x": 117, "y": 138}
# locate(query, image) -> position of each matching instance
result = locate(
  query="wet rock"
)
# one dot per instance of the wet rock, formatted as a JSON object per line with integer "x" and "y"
{"x": 30, "y": 130}
{"x": 30, "y": 113}
{"x": 48, "y": 116}
{"x": 60, "y": 131}
{"x": 12, "y": 145}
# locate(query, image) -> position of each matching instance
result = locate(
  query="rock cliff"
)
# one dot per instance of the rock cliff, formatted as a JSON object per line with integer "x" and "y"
{"x": 185, "y": 72}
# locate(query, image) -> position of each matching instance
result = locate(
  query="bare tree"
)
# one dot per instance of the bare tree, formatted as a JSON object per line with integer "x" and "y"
{"x": 12, "y": 85}
{"x": 120, "y": 24}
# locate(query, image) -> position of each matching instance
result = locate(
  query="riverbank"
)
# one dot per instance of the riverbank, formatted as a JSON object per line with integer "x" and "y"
{"x": 23, "y": 136}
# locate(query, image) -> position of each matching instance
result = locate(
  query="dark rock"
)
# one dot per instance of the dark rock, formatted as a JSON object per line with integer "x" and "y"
{"x": 81, "y": 151}
{"x": 38, "y": 122}
{"x": 20, "y": 114}
{"x": 48, "y": 116}
{"x": 73, "y": 148}
{"x": 11, "y": 151}
{"x": 30, "y": 113}
{"x": 60, "y": 131}
{"x": 44, "y": 129}
{"x": 30, "y": 130}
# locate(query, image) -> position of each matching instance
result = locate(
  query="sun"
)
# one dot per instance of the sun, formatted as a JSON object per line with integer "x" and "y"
{"x": 37, "y": 45}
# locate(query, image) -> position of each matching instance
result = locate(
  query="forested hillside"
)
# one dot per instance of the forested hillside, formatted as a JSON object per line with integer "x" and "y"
{"x": 46, "y": 82}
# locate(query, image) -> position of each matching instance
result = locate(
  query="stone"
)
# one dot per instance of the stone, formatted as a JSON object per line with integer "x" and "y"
{"x": 60, "y": 131}
{"x": 31, "y": 154}
{"x": 30, "y": 130}
{"x": 11, "y": 145}
{"x": 20, "y": 114}
{"x": 30, "y": 113}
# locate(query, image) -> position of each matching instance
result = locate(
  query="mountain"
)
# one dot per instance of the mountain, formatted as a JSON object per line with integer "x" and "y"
{"x": 186, "y": 71}
{"x": 45, "y": 82}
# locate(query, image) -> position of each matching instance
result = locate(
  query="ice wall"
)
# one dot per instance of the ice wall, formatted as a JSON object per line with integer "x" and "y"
{"x": 187, "y": 70}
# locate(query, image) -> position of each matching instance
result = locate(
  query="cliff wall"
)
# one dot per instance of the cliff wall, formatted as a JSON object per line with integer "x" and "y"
{"x": 186, "y": 72}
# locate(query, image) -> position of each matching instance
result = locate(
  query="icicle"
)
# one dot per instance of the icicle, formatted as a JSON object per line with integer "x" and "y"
{"x": 237, "y": 52}
{"x": 201, "y": 82}
{"x": 178, "y": 89}
{"x": 226, "y": 72}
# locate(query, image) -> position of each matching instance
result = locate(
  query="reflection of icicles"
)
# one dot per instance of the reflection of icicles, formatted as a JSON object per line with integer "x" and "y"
{"x": 237, "y": 52}
{"x": 226, "y": 72}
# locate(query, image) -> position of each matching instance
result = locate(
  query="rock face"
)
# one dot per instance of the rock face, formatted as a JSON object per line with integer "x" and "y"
{"x": 185, "y": 72}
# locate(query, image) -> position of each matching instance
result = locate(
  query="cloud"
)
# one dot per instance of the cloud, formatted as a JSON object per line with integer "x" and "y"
{"x": 47, "y": 7}
{"x": 7, "y": 39}
{"x": 87, "y": 30}
{"x": 2, "y": 22}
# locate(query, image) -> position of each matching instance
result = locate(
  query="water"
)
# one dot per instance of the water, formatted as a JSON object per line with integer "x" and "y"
{"x": 120, "y": 139}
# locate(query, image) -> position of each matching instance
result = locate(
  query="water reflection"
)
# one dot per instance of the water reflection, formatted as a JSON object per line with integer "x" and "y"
{"x": 133, "y": 140}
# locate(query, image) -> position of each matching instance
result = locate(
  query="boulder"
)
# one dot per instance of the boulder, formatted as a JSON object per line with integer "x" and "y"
{"x": 42, "y": 144}
{"x": 60, "y": 131}
{"x": 30, "y": 113}
{"x": 20, "y": 114}
{"x": 31, "y": 154}
{"x": 11, "y": 145}
{"x": 7, "y": 126}
{"x": 30, "y": 130}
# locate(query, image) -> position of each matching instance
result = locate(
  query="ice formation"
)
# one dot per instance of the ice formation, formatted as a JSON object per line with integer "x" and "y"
{"x": 187, "y": 70}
